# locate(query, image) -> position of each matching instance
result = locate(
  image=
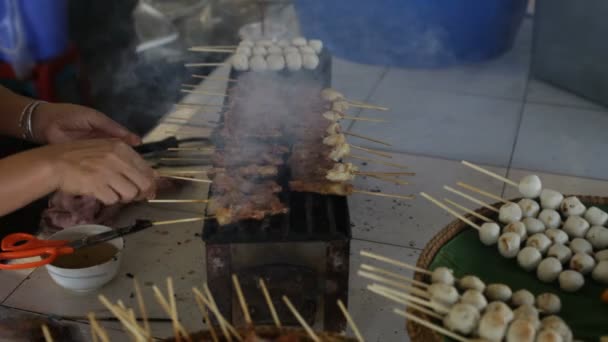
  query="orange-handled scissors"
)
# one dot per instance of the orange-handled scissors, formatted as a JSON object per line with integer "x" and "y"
{"x": 21, "y": 245}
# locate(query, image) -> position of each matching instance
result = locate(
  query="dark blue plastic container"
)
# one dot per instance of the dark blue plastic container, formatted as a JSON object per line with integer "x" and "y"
{"x": 46, "y": 27}
{"x": 413, "y": 33}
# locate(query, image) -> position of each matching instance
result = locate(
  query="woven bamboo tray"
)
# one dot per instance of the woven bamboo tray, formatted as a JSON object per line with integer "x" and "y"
{"x": 583, "y": 311}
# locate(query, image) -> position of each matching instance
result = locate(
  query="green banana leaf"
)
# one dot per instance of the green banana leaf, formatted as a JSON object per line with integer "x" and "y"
{"x": 583, "y": 310}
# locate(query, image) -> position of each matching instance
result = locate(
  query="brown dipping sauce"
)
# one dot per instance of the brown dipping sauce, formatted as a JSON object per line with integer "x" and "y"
{"x": 87, "y": 256}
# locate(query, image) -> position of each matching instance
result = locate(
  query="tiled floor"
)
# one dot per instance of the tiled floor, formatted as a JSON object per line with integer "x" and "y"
{"x": 491, "y": 113}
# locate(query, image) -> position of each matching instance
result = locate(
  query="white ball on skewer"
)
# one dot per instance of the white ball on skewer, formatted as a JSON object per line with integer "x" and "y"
{"x": 501, "y": 308}
{"x": 522, "y": 297}
{"x": 550, "y": 218}
{"x": 246, "y": 43}
{"x": 275, "y": 50}
{"x": 240, "y": 62}
{"x": 291, "y": 49}
{"x": 572, "y": 206}
{"x": 533, "y": 225}
{"x": 560, "y": 252}
{"x": 579, "y": 245}
{"x": 264, "y": 42}
{"x": 310, "y": 61}
{"x": 529, "y": 313}
{"x": 557, "y": 236}
{"x": 293, "y": 61}
{"x": 443, "y": 275}
{"x": 521, "y": 331}
{"x": 498, "y": 292}
{"x": 275, "y": 62}
{"x": 471, "y": 282}
{"x": 571, "y": 281}
{"x": 598, "y": 237}
{"x": 243, "y": 50}
{"x": 258, "y": 63}
{"x": 489, "y": 233}
{"x": 555, "y": 323}
{"x": 340, "y": 106}
{"x": 550, "y": 199}
{"x": 283, "y": 43}
{"x": 299, "y": 41}
{"x": 443, "y": 293}
{"x": 259, "y": 51}
{"x": 305, "y": 49}
{"x": 548, "y": 270}
{"x": 530, "y": 186}
{"x": 508, "y": 245}
{"x": 329, "y": 94}
{"x": 548, "y": 303}
{"x": 474, "y": 298}
{"x": 576, "y": 226}
{"x": 549, "y": 336}
{"x": 332, "y": 115}
{"x": 582, "y": 262}
{"x": 529, "y": 207}
{"x": 600, "y": 272}
{"x": 518, "y": 228}
{"x": 601, "y": 255}
{"x": 510, "y": 212}
{"x": 596, "y": 216}
{"x": 529, "y": 258}
{"x": 492, "y": 326}
{"x": 438, "y": 307}
{"x": 539, "y": 241}
{"x": 462, "y": 318}
{"x": 316, "y": 45}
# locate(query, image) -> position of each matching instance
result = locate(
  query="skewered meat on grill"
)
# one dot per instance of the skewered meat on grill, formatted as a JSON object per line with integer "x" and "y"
{"x": 249, "y": 170}
{"x": 342, "y": 172}
{"x": 223, "y": 183}
{"x": 323, "y": 188}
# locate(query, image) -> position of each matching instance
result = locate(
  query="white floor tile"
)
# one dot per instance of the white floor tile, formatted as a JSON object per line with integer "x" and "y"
{"x": 372, "y": 313}
{"x": 150, "y": 255}
{"x": 544, "y": 93}
{"x": 412, "y": 223}
{"x": 10, "y": 280}
{"x": 561, "y": 183}
{"x": 442, "y": 124}
{"x": 563, "y": 140}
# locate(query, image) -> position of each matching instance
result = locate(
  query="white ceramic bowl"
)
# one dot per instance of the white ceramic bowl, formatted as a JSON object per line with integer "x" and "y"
{"x": 89, "y": 278}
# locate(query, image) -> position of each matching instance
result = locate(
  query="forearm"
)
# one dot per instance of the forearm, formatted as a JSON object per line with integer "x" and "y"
{"x": 25, "y": 177}
{"x": 11, "y": 106}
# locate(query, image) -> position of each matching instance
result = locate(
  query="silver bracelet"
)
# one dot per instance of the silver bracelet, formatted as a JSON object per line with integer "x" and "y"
{"x": 25, "y": 122}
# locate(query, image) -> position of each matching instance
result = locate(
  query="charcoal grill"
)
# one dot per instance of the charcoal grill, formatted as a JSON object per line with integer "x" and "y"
{"x": 303, "y": 254}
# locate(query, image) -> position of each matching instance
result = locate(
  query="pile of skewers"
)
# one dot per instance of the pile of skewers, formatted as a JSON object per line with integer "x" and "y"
{"x": 139, "y": 328}
{"x": 262, "y": 55}
{"x": 555, "y": 236}
{"x": 467, "y": 309}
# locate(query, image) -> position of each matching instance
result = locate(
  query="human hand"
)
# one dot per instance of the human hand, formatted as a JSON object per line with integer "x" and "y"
{"x": 56, "y": 123}
{"x": 107, "y": 169}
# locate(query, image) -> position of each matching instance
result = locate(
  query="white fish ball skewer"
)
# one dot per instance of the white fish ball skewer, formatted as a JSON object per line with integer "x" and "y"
{"x": 550, "y": 218}
{"x": 530, "y": 186}
{"x": 539, "y": 241}
{"x": 243, "y": 50}
{"x": 471, "y": 282}
{"x": 550, "y": 199}
{"x": 598, "y": 237}
{"x": 443, "y": 275}
{"x": 259, "y": 51}
{"x": 275, "y": 62}
{"x": 576, "y": 226}
{"x": 462, "y": 318}
{"x": 600, "y": 272}
{"x": 258, "y": 63}
{"x": 293, "y": 61}
{"x": 474, "y": 298}
{"x": 508, "y": 245}
{"x": 529, "y": 313}
{"x": 533, "y": 225}
{"x": 529, "y": 207}
{"x": 596, "y": 216}
{"x": 299, "y": 41}
{"x": 572, "y": 206}
{"x": 246, "y": 43}
{"x": 492, "y": 326}
{"x": 518, "y": 228}
{"x": 240, "y": 62}
{"x": 521, "y": 331}
{"x": 579, "y": 245}
{"x": 548, "y": 303}
{"x": 306, "y": 50}
{"x": 489, "y": 233}
{"x": 557, "y": 236}
{"x": 316, "y": 44}
{"x": 571, "y": 281}
{"x": 601, "y": 255}
{"x": 582, "y": 262}
{"x": 291, "y": 49}
{"x": 549, "y": 336}
{"x": 560, "y": 252}
{"x": 498, "y": 292}
{"x": 501, "y": 308}
{"x": 264, "y": 42}
{"x": 310, "y": 61}
{"x": 522, "y": 297}
{"x": 443, "y": 293}
{"x": 510, "y": 212}
{"x": 555, "y": 323}
{"x": 275, "y": 50}
{"x": 548, "y": 270}
{"x": 529, "y": 258}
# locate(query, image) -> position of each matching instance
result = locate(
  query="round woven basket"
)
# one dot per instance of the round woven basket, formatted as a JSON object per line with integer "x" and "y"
{"x": 420, "y": 333}
{"x": 271, "y": 332}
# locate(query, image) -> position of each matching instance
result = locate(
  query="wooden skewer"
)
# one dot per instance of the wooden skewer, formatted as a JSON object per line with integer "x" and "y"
{"x": 366, "y": 138}
{"x": 389, "y": 179}
{"x": 96, "y": 330}
{"x": 215, "y": 78}
{"x": 380, "y": 194}
{"x": 300, "y": 319}
{"x": 470, "y": 198}
{"x": 210, "y": 302}
{"x": 168, "y": 306}
{"x": 179, "y": 201}
{"x": 394, "y": 262}
{"x": 378, "y": 153}
{"x": 273, "y": 311}
{"x": 188, "y": 85}
{"x": 174, "y": 314}
{"x": 376, "y": 288}
{"x": 403, "y": 301}
{"x": 242, "y": 301}
{"x": 482, "y": 192}
{"x": 47, "y": 333}
{"x": 377, "y": 161}
{"x": 467, "y": 210}
{"x": 208, "y": 49}
{"x": 142, "y": 307}
{"x": 394, "y": 275}
{"x": 192, "y": 219}
{"x": 350, "y": 321}
{"x": 197, "y": 180}
{"x": 451, "y": 211}
{"x": 357, "y": 118}
{"x": 202, "y": 308}
{"x": 134, "y": 329}
{"x": 209, "y": 93}
{"x": 490, "y": 173}
{"x": 196, "y": 65}
{"x": 394, "y": 283}
{"x": 430, "y": 325}
{"x": 358, "y": 104}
